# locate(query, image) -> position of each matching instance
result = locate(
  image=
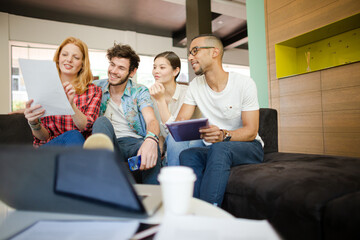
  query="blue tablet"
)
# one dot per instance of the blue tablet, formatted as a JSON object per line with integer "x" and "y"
{"x": 187, "y": 130}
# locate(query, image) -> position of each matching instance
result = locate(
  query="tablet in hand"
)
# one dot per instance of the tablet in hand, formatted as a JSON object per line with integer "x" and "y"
{"x": 187, "y": 130}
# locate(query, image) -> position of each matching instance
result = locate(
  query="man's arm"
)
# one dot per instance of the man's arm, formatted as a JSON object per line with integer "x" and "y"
{"x": 250, "y": 127}
{"x": 149, "y": 148}
{"x": 246, "y": 133}
{"x": 186, "y": 112}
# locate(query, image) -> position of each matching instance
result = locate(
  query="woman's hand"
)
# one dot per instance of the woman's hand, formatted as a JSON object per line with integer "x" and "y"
{"x": 33, "y": 113}
{"x": 157, "y": 91}
{"x": 70, "y": 92}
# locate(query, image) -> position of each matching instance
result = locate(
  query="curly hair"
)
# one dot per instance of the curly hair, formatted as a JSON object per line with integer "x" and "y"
{"x": 124, "y": 51}
{"x": 173, "y": 59}
{"x": 84, "y": 76}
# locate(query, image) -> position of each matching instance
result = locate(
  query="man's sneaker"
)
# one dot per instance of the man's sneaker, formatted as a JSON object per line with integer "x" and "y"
{"x": 99, "y": 141}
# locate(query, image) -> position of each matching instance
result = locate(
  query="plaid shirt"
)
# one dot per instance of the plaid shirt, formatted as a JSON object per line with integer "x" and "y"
{"x": 88, "y": 103}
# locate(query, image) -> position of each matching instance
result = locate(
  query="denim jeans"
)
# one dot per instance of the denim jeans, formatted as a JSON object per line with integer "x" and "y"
{"x": 69, "y": 138}
{"x": 212, "y": 164}
{"x": 173, "y": 149}
{"x": 127, "y": 147}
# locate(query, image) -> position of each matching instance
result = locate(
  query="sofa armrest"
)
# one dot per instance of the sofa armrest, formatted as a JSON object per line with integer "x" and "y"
{"x": 268, "y": 129}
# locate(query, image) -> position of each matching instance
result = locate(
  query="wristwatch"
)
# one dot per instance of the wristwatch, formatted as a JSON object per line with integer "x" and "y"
{"x": 226, "y": 135}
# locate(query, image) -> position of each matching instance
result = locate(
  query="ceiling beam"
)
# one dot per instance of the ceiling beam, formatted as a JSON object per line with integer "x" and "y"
{"x": 230, "y": 8}
{"x": 179, "y": 37}
{"x": 236, "y": 8}
{"x": 236, "y": 39}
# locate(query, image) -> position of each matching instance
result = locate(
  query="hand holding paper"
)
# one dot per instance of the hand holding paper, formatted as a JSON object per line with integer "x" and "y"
{"x": 43, "y": 85}
{"x": 33, "y": 111}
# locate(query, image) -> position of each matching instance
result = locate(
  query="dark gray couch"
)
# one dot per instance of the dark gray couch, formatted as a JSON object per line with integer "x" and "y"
{"x": 304, "y": 196}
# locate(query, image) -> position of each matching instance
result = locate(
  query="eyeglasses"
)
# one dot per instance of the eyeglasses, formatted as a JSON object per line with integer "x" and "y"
{"x": 196, "y": 49}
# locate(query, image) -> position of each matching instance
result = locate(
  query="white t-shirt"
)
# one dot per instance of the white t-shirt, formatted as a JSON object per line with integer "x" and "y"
{"x": 116, "y": 116}
{"x": 224, "y": 108}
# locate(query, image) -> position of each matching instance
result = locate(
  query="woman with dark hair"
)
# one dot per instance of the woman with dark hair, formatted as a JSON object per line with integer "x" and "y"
{"x": 168, "y": 96}
{"x": 73, "y": 64}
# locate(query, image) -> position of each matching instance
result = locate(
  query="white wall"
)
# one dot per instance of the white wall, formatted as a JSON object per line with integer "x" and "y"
{"x": 4, "y": 64}
{"x": 17, "y": 28}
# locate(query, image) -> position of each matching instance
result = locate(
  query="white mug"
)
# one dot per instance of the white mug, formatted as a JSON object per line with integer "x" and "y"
{"x": 177, "y": 186}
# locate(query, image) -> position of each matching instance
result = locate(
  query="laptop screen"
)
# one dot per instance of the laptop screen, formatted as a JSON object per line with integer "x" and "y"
{"x": 95, "y": 176}
{"x": 68, "y": 180}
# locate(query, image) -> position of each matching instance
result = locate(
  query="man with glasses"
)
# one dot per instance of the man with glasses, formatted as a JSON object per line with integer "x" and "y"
{"x": 229, "y": 101}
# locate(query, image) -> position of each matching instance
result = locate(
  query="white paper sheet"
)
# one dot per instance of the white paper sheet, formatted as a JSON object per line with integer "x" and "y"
{"x": 210, "y": 228}
{"x": 44, "y": 86}
{"x": 79, "y": 230}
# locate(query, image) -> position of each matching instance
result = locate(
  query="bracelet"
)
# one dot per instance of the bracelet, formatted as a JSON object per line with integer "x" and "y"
{"x": 152, "y": 138}
{"x": 35, "y": 127}
{"x": 150, "y": 134}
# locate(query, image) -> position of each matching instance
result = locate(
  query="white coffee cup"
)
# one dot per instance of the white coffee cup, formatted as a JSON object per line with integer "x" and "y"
{"x": 177, "y": 186}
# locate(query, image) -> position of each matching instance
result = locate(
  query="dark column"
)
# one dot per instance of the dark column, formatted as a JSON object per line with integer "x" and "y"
{"x": 198, "y": 21}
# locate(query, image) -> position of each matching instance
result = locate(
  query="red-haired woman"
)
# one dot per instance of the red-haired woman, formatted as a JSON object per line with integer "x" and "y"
{"x": 72, "y": 61}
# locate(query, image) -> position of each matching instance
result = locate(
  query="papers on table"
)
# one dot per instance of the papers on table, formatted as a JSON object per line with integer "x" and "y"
{"x": 209, "y": 228}
{"x": 79, "y": 230}
{"x": 44, "y": 86}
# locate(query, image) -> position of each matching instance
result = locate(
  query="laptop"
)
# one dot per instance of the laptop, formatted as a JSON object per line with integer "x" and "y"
{"x": 73, "y": 180}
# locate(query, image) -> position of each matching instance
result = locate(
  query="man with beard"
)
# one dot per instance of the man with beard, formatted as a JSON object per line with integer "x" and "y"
{"x": 128, "y": 116}
{"x": 229, "y": 101}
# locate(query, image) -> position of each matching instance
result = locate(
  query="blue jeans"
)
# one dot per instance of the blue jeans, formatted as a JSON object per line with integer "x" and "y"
{"x": 127, "y": 147}
{"x": 173, "y": 149}
{"x": 212, "y": 165}
{"x": 69, "y": 138}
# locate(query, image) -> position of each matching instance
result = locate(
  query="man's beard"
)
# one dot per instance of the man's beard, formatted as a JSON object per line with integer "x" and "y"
{"x": 121, "y": 82}
{"x": 199, "y": 72}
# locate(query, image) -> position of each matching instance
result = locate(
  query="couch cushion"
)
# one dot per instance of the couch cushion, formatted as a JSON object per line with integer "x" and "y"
{"x": 14, "y": 129}
{"x": 342, "y": 217}
{"x": 281, "y": 156}
{"x": 291, "y": 194}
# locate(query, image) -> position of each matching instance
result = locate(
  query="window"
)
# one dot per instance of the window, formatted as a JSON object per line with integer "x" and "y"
{"x": 99, "y": 65}
{"x": 245, "y": 70}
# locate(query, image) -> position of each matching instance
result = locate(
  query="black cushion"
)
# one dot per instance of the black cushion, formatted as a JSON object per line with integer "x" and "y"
{"x": 291, "y": 194}
{"x": 342, "y": 217}
{"x": 14, "y": 129}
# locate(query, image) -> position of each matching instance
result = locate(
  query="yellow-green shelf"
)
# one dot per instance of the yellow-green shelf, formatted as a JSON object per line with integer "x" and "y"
{"x": 332, "y": 45}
